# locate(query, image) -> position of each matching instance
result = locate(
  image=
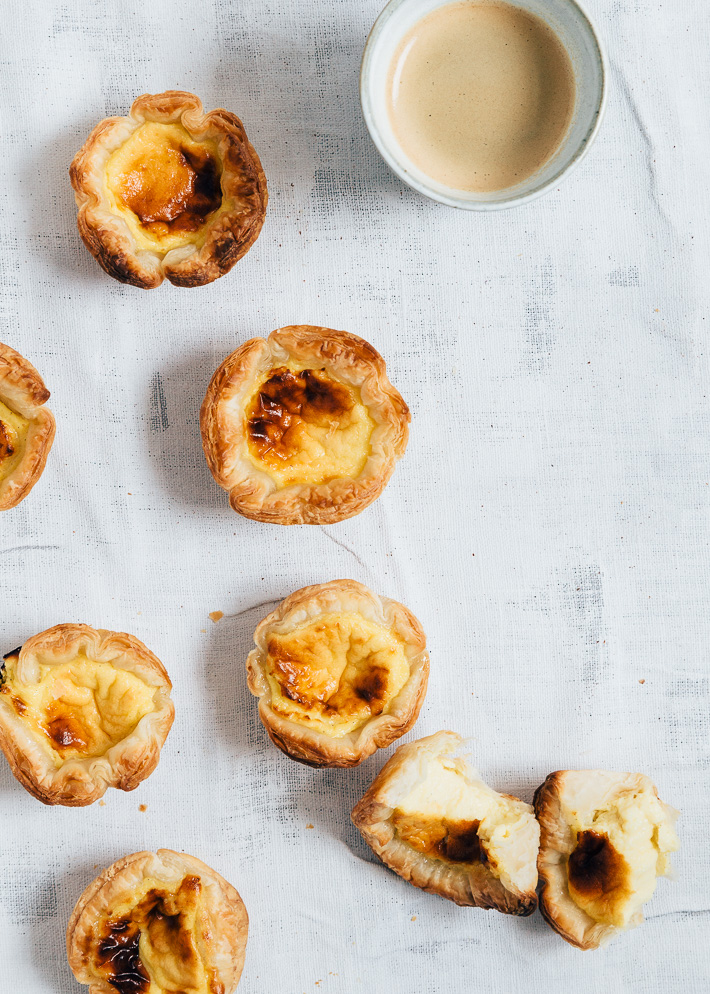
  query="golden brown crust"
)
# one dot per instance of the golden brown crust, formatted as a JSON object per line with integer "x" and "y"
{"x": 23, "y": 391}
{"x": 470, "y": 885}
{"x": 558, "y": 841}
{"x": 351, "y": 360}
{"x": 231, "y": 234}
{"x": 315, "y": 748}
{"x": 224, "y": 918}
{"x": 77, "y": 782}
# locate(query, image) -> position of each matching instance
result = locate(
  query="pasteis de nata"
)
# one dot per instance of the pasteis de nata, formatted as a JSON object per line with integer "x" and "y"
{"x": 303, "y": 427}
{"x": 26, "y": 427}
{"x": 339, "y": 672}
{"x": 81, "y": 710}
{"x": 169, "y": 192}
{"x": 432, "y": 820}
{"x": 158, "y": 923}
{"x": 605, "y": 838}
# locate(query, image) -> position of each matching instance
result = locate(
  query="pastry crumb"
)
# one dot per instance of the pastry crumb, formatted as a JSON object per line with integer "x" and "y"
{"x": 642, "y": 681}
{"x": 142, "y": 807}
{"x": 102, "y": 804}
{"x": 203, "y": 631}
{"x": 216, "y": 616}
{"x": 310, "y": 826}
{"x": 414, "y": 918}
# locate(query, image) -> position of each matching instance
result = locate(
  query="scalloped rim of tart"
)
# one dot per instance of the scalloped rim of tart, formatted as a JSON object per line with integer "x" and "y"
{"x": 303, "y": 427}
{"x": 431, "y": 819}
{"x": 158, "y": 923}
{"x": 27, "y": 427}
{"x": 605, "y": 839}
{"x": 339, "y": 672}
{"x": 169, "y": 192}
{"x": 82, "y": 709}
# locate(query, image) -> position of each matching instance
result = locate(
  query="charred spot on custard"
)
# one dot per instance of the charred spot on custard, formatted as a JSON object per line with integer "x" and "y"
{"x": 7, "y": 449}
{"x": 182, "y": 205}
{"x": 595, "y": 867}
{"x": 288, "y": 397}
{"x": 118, "y": 954}
{"x": 461, "y": 844}
{"x": 65, "y": 731}
{"x": 371, "y": 687}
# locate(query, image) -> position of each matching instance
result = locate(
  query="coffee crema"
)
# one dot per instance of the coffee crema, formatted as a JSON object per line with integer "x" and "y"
{"x": 480, "y": 94}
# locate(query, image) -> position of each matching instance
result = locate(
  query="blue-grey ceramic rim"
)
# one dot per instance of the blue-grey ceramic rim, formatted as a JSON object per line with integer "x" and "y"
{"x": 452, "y": 200}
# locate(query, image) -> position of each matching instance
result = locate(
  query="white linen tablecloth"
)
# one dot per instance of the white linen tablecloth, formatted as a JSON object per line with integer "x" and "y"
{"x": 548, "y": 524}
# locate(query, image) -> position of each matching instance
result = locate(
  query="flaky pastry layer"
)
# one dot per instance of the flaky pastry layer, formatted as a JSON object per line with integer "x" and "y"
{"x": 339, "y": 672}
{"x": 431, "y": 819}
{"x": 605, "y": 838}
{"x": 303, "y": 427}
{"x": 81, "y": 710}
{"x": 27, "y": 427}
{"x": 169, "y": 192}
{"x": 158, "y": 923}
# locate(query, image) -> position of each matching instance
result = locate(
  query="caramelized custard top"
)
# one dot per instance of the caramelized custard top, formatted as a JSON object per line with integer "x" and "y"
{"x": 595, "y": 868}
{"x": 6, "y": 447}
{"x": 447, "y": 839}
{"x": 154, "y": 942}
{"x": 304, "y": 426}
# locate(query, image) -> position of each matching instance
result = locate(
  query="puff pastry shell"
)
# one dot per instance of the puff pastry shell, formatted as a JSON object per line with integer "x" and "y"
{"x": 209, "y": 184}
{"x": 26, "y": 427}
{"x": 158, "y": 923}
{"x": 432, "y": 820}
{"x": 303, "y": 427}
{"x": 339, "y": 672}
{"x": 604, "y": 838}
{"x": 83, "y": 709}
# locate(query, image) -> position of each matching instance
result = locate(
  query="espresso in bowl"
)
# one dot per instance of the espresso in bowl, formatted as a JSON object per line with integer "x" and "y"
{"x": 482, "y": 103}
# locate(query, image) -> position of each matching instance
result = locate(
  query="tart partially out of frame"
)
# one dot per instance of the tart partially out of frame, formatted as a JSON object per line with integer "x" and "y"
{"x": 169, "y": 192}
{"x": 303, "y": 427}
{"x": 82, "y": 709}
{"x": 158, "y": 923}
{"x": 26, "y": 427}
{"x": 339, "y": 672}
{"x": 432, "y": 820}
{"x": 605, "y": 838}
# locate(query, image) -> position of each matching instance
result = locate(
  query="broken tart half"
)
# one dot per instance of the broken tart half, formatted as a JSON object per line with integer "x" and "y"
{"x": 26, "y": 427}
{"x": 169, "y": 192}
{"x": 432, "y": 820}
{"x": 303, "y": 427}
{"x": 339, "y": 672}
{"x": 605, "y": 838}
{"x": 81, "y": 710}
{"x": 158, "y": 923}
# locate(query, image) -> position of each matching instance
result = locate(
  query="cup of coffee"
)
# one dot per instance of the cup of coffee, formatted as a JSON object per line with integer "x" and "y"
{"x": 482, "y": 104}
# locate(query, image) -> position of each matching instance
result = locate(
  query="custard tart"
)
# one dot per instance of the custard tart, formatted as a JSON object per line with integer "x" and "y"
{"x": 339, "y": 672}
{"x": 303, "y": 427}
{"x": 169, "y": 192}
{"x": 81, "y": 710}
{"x": 26, "y": 427}
{"x": 605, "y": 838}
{"x": 432, "y": 820}
{"x": 158, "y": 923}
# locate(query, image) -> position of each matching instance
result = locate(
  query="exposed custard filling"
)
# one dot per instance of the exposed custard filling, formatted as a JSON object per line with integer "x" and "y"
{"x": 451, "y": 816}
{"x": 81, "y": 708}
{"x": 165, "y": 185}
{"x": 152, "y": 943}
{"x": 305, "y": 427}
{"x": 336, "y": 673}
{"x": 13, "y": 436}
{"x": 620, "y": 851}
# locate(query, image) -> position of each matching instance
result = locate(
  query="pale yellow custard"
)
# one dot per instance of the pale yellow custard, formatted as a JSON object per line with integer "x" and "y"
{"x": 305, "y": 427}
{"x": 165, "y": 185}
{"x": 453, "y": 816}
{"x": 620, "y": 851}
{"x": 81, "y": 708}
{"x": 335, "y": 673}
{"x": 13, "y": 436}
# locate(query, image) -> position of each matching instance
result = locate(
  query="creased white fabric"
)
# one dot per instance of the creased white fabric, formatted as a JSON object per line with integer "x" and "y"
{"x": 548, "y": 524}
